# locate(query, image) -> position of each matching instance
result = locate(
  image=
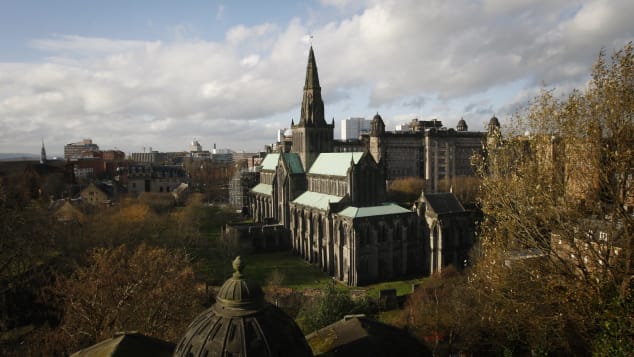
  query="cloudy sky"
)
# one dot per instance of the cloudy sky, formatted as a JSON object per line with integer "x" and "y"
{"x": 135, "y": 74}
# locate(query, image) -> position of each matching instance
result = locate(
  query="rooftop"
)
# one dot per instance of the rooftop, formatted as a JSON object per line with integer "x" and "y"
{"x": 316, "y": 200}
{"x": 128, "y": 344}
{"x": 443, "y": 202}
{"x": 361, "y": 336}
{"x": 263, "y": 188}
{"x": 334, "y": 163}
{"x": 270, "y": 161}
{"x": 382, "y": 210}
{"x": 293, "y": 162}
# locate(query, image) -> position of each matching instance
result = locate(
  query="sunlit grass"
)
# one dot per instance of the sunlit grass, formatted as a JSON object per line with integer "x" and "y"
{"x": 296, "y": 272}
{"x": 402, "y": 286}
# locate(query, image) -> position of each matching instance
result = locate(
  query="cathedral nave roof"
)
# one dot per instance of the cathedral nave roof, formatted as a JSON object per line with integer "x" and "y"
{"x": 334, "y": 163}
{"x": 316, "y": 200}
{"x": 381, "y": 210}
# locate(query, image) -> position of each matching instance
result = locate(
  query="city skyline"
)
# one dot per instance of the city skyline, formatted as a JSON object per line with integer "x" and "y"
{"x": 158, "y": 74}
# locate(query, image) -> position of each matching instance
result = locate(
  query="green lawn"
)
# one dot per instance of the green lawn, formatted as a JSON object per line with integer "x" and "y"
{"x": 299, "y": 274}
{"x": 402, "y": 286}
{"x": 296, "y": 272}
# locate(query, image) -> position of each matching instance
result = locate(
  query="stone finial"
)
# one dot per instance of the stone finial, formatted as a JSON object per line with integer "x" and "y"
{"x": 238, "y": 266}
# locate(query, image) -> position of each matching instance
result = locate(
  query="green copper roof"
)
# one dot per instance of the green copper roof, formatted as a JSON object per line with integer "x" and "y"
{"x": 334, "y": 163}
{"x": 263, "y": 189}
{"x": 316, "y": 200}
{"x": 270, "y": 161}
{"x": 293, "y": 162}
{"x": 383, "y": 210}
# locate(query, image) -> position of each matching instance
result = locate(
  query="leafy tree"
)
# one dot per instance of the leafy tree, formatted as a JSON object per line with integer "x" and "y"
{"x": 557, "y": 236}
{"x": 405, "y": 189}
{"x": 26, "y": 240}
{"x": 440, "y": 312}
{"x": 464, "y": 187}
{"x": 328, "y": 308}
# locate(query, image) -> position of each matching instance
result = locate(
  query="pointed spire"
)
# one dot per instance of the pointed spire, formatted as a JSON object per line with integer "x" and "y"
{"x": 312, "y": 112}
{"x": 312, "y": 78}
{"x": 292, "y": 122}
{"x": 43, "y": 153}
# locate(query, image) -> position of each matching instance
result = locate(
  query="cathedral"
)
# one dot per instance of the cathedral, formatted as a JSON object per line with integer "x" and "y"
{"x": 333, "y": 203}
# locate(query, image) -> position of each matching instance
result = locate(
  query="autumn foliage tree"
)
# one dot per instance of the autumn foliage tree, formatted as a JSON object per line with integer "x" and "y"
{"x": 558, "y": 234}
{"x": 145, "y": 289}
{"x": 406, "y": 189}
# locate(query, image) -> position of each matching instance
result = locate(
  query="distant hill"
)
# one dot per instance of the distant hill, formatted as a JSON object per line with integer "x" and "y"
{"x": 21, "y": 157}
{"x": 18, "y": 156}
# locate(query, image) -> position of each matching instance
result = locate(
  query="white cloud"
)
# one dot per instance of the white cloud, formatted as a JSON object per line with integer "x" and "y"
{"x": 397, "y": 54}
{"x": 250, "y": 61}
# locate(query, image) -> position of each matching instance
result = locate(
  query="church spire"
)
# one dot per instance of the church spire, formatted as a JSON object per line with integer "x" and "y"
{"x": 43, "y": 154}
{"x": 312, "y": 135}
{"x": 312, "y": 104}
{"x": 312, "y": 78}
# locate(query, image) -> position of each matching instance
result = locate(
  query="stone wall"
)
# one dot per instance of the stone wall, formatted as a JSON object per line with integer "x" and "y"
{"x": 256, "y": 238}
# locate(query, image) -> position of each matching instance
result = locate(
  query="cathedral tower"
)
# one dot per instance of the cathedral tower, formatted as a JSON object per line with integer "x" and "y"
{"x": 312, "y": 135}
{"x": 377, "y": 148}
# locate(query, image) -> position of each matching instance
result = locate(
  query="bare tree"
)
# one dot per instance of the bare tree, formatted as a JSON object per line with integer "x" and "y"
{"x": 150, "y": 290}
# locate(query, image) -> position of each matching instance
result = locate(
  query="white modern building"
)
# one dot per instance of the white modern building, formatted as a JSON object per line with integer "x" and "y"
{"x": 352, "y": 128}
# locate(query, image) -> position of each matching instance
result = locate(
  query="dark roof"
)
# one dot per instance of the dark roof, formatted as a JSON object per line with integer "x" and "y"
{"x": 443, "y": 203}
{"x": 155, "y": 171}
{"x": 293, "y": 162}
{"x": 361, "y": 336}
{"x": 494, "y": 123}
{"x": 462, "y": 125}
{"x": 128, "y": 344}
{"x": 110, "y": 188}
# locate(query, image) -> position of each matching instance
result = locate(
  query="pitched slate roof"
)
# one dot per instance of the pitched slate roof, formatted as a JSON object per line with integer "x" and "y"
{"x": 128, "y": 344}
{"x": 263, "y": 189}
{"x": 334, "y": 163}
{"x": 444, "y": 202}
{"x": 382, "y": 210}
{"x": 293, "y": 162}
{"x": 316, "y": 200}
{"x": 270, "y": 161}
{"x": 361, "y": 336}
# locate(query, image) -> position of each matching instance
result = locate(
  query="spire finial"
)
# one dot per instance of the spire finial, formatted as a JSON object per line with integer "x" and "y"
{"x": 238, "y": 266}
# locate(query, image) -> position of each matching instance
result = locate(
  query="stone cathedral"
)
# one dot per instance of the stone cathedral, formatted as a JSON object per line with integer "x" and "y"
{"x": 333, "y": 203}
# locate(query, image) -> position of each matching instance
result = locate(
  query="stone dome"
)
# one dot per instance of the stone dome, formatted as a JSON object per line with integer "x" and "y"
{"x": 242, "y": 323}
{"x": 378, "y": 126}
{"x": 494, "y": 123}
{"x": 462, "y": 125}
